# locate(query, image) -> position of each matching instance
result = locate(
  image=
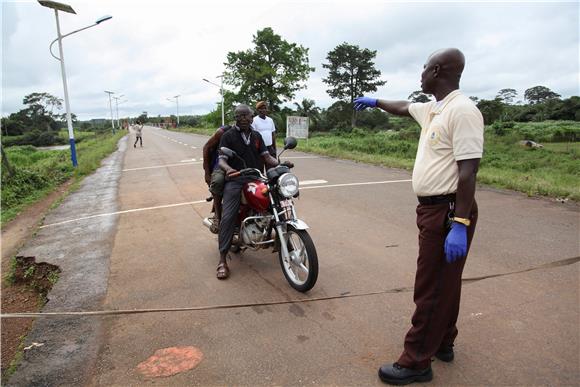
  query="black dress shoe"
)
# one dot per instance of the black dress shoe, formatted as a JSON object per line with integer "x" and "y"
{"x": 445, "y": 354}
{"x": 395, "y": 374}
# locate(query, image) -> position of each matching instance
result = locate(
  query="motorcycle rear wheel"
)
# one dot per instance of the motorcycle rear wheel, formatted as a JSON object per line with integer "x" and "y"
{"x": 301, "y": 270}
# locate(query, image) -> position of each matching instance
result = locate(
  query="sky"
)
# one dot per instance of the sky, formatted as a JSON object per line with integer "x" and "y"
{"x": 153, "y": 50}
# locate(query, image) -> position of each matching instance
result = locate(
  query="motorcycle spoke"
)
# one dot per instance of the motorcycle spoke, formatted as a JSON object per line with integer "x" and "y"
{"x": 303, "y": 268}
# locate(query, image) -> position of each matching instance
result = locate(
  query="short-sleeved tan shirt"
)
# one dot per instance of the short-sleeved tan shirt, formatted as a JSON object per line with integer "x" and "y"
{"x": 451, "y": 130}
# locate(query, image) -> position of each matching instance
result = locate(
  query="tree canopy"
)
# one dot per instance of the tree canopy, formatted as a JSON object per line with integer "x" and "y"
{"x": 351, "y": 73}
{"x": 273, "y": 70}
{"x": 418, "y": 96}
{"x": 507, "y": 96}
{"x": 539, "y": 94}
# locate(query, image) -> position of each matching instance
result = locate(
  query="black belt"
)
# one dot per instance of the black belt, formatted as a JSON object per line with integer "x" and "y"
{"x": 436, "y": 199}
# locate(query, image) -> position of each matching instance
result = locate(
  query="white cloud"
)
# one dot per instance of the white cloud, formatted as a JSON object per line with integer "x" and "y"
{"x": 150, "y": 51}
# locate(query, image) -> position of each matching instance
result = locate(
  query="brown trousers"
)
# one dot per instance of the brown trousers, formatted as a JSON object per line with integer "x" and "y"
{"x": 437, "y": 288}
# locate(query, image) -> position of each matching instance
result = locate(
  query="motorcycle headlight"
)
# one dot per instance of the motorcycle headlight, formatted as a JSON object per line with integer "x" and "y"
{"x": 288, "y": 185}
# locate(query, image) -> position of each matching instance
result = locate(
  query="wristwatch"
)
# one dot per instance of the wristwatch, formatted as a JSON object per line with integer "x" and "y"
{"x": 464, "y": 221}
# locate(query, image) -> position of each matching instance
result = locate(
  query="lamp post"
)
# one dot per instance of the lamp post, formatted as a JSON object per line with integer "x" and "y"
{"x": 66, "y": 8}
{"x": 117, "y": 108}
{"x": 111, "y": 107}
{"x": 177, "y": 102}
{"x": 221, "y": 93}
{"x": 120, "y": 103}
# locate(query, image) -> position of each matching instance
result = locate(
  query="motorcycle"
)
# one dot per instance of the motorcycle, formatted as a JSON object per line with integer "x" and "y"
{"x": 267, "y": 219}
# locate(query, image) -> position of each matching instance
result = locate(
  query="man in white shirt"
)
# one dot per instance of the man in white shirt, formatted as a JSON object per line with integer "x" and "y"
{"x": 444, "y": 176}
{"x": 265, "y": 126}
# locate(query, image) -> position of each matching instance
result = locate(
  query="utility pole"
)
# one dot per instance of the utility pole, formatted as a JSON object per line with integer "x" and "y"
{"x": 111, "y": 107}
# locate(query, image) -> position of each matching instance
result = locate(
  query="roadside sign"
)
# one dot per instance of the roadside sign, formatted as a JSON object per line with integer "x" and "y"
{"x": 297, "y": 126}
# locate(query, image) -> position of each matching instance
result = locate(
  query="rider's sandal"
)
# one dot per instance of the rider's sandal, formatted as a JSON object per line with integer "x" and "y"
{"x": 223, "y": 271}
{"x": 215, "y": 226}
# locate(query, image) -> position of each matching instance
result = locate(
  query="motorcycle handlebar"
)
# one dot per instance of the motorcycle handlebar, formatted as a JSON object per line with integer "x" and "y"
{"x": 244, "y": 172}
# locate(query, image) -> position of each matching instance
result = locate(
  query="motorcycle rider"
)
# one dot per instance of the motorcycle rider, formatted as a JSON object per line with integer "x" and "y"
{"x": 249, "y": 145}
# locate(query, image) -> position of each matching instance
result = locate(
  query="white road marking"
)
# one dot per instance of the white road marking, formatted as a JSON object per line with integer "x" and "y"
{"x": 187, "y": 160}
{"x": 353, "y": 184}
{"x": 204, "y": 201}
{"x": 302, "y": 157}
{"x": 193, "y": 147}
{"x": 312, "y": 182}
{"x": 161, "y": 166}
{"x": 123, "y": 212}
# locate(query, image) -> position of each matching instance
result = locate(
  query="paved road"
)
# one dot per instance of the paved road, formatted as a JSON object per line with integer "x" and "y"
{"x": 515, "y": 329}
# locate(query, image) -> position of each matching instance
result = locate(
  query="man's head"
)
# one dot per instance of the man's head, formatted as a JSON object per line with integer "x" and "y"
{"x": 262, "y": 108}
{"x": 442, "y": 70}
{"x": 243, "y": 116}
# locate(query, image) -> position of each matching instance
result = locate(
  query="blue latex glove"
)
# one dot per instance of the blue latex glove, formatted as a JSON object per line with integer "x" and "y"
{"x": 456, "y": 242}
{"x": 362, "y": 103}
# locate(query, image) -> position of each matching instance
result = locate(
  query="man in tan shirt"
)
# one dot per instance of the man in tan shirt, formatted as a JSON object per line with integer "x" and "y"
{"x": 444, "y": 176}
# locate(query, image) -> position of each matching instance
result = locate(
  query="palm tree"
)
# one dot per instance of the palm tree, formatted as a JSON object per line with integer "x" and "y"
{"x": 308, "y": 109}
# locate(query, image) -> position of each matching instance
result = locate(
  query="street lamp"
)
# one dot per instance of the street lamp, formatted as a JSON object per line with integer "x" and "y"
{"x": 117, "y": 107}
{"x": 66, "y": 8}
{"x": 111, "y": 107}
{"x": 120, "y": 103}
{"x": 221, "y": 93}
{"x": 177, "y": 102}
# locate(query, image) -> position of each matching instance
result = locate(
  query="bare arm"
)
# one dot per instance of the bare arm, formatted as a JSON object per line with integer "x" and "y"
{"x": 399, "y": 108}
{"x": 212, "y": 143}
{"x": 466, "y": 186}
{"x": 269, "y": 160}
{"x": 225, "y": 166}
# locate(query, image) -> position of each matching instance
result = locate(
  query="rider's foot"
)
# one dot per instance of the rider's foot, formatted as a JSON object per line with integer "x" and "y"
{"x": 215, "y": 225}
{"x": 223, "y": 271}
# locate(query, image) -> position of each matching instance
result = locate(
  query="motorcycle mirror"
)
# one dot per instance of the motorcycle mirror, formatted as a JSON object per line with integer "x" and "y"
{"x": 227, "y": 151}
{"x": 290, "y": 143}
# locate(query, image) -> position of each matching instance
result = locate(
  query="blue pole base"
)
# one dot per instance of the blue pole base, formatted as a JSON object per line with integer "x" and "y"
{"x": 73, "y": 152}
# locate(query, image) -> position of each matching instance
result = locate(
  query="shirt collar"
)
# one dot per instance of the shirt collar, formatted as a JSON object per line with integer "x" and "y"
{"x": 440, "y": 105}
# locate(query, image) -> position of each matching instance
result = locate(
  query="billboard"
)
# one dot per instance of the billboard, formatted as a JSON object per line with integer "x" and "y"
{"x": 297, "y": 126}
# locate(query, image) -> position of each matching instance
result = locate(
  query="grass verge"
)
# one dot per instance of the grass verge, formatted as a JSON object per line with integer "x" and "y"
{"x": 37, "y": 173}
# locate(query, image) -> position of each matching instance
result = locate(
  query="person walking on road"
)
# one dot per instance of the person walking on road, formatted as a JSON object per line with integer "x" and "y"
{"x": 214, "y": 176}
{"x": 138, "y": 134}
{"x": 249, "y": 145}
{"x": 265, "y": 126}
{"x": 444, "y": 176}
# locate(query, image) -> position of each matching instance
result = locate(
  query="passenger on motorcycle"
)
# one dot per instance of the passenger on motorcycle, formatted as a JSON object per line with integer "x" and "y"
{"x": 214, "y": 176}
{"x": 249, "y": 145}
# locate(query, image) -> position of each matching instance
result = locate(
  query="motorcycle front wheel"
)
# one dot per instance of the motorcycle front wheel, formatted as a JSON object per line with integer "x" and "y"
{"x": 301, "y": 268}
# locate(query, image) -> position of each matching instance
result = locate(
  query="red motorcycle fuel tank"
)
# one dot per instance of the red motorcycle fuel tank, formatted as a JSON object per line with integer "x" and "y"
{"x": 256, "y": 194}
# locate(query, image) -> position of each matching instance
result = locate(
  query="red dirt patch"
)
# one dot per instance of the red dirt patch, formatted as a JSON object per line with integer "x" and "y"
{"x": 30, "y": 283}
{"x": 170, "y": 361}
{"x": 21, "y": 297}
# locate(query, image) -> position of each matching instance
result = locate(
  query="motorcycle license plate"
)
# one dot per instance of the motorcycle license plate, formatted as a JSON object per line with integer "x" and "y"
{"x": 287, "y": 203}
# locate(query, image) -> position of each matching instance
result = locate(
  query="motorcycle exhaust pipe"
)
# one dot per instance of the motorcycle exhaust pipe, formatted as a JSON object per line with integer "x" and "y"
{"x": 207, "y": 222}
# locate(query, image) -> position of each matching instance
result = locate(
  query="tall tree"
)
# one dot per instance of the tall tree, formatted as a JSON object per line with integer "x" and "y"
{"x": 507, "y": 96}
{"x": 351, "y": 73}
{"x": 42, "y": 103}
{"x": 418, "y": 96}
{"x": 538, "y": 94}
{"x": 273, "y": 70}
